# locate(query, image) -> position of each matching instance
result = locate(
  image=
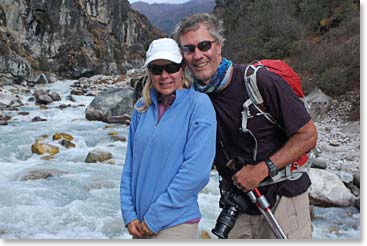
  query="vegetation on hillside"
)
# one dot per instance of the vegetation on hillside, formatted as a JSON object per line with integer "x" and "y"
{"x": 319, "y": 39}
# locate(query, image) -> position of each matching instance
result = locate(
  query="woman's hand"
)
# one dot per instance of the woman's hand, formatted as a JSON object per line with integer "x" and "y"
{"x": 146, "y": 229}
{"x": 135, "y": 228}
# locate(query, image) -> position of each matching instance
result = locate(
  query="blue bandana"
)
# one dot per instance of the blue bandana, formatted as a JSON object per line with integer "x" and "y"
{"x": 219, "y": 79}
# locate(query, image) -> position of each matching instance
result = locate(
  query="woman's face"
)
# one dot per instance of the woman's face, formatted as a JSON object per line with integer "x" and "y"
{"x": 166, "y": 76}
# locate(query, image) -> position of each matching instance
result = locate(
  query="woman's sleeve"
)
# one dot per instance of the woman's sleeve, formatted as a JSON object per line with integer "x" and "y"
{"x": 126, "y": 199}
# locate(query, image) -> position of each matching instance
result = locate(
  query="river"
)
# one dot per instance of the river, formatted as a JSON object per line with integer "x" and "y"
{"x": 83, "y": 203}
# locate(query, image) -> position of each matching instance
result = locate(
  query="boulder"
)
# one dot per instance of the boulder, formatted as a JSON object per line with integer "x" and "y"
{"x": 98, "y": 155}
{"x": 55, "y": 96}
{"x": 8, "y": 100}
{"x": 42, "y": 148}
{"x": 109, "y": 104}
{"x": 48, "y": 157}
{"x": 4, "y": 119}
{"x": 327, "y": 190}
{"x": 356, "y": 179}
{"x": 345, "y": 177}
{"x": 44, "y": 99}
{"x": 118, "y": 138}
{"x": 205, "y": 235}
{"x": 37, "y": 118}
{"x": 124, "y": 119}
{"x": 317, "y": 163}
{"x": 62, "y": 135}
{"x": 319, "y": 103}
{"x": 42, "y": 174}
{"x": 67, "y": 144}
{"x": 352, "y": 128}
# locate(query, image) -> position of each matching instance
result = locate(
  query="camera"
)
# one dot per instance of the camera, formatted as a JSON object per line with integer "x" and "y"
{"x": 232, "y": 202}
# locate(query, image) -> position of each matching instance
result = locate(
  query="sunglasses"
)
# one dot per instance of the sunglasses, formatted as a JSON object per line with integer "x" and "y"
{"x": 169, "y": 68}
{"x": 202, "y": 46}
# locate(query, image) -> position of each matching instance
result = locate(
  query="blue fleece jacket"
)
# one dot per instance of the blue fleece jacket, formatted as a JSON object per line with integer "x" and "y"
{"x": 168, "y": 163}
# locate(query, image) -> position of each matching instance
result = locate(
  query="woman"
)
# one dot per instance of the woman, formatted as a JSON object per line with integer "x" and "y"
{"x": 171, "y": 147}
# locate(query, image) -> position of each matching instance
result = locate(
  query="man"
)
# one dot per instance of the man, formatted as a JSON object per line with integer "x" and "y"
{"x": 200, "y": 38}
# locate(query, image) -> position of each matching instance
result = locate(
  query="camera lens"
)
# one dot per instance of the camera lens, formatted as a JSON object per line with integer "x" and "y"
{"x": 225, "y": 222}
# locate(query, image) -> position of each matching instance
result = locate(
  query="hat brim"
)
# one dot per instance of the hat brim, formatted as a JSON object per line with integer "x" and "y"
{"x": 163, "y": 56}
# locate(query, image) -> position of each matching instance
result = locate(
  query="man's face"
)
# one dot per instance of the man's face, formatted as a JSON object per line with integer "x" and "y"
{"x": 203, "y": 63}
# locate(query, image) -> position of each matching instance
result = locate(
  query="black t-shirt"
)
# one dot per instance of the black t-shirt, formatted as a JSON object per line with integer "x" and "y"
{"x": 287, "y": 109}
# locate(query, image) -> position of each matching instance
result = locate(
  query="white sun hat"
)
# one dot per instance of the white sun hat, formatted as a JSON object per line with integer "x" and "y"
{"x": 165, "y": 49}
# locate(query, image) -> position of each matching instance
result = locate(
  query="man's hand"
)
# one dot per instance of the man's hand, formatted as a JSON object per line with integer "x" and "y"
{"x": 146, "y": 229}
{"x": 250, "y": 176}
{"x": 135, "y": 228}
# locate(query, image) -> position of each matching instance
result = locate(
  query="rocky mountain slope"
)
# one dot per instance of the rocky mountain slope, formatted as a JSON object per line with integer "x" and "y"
{"x": 165, "y": 16}
{"x": 70, "y": 38}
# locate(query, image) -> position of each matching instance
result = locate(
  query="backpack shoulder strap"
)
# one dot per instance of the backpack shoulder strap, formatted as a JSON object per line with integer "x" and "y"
{"x": 255, "y": 97}
{"x": 251, "y": 84}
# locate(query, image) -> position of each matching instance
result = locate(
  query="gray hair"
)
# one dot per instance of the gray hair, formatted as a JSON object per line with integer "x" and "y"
{"x": 192, "y": 23}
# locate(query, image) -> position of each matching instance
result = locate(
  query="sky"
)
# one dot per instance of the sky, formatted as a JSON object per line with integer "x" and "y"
{"x": 159, "y": 1}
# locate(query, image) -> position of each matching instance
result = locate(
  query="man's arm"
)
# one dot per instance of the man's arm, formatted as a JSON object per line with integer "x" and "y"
{"x": 250, "y": 176}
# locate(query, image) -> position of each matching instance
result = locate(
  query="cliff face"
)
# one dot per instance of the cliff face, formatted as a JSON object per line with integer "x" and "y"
{"x": 72, "y": 38}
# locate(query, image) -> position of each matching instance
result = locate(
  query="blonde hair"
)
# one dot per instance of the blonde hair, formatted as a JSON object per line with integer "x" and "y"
{"x": 148, "y": 85}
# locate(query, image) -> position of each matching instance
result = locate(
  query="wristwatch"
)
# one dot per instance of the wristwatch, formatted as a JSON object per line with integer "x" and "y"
{"x": 273, "y": 170}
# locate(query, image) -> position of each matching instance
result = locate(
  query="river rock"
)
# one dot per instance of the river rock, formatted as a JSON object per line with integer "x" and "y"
{"x": 42, "y": 174}
{"x": 42, "y": 148}
{"x": 124, "y": 119}
{"x": 9, "y": 101}
{"x": 67, "y": 144}
{"x": 98, "y": 155}
{"x": 48, "y": 157}
{"x": 205, "y": 235}
{"x": 317, "y": 163}
{"x": 352, "y": 127}
{"x": 327, "y": 190}
{"x": 118, "y": 138}
{"x": 113, "y": 133}
{"x": 345, "y": 177}
{"x": 4, "y": 119}
{"x": 44, "y": 99}
{"x": 55, "y": 96}
{"x": 62, "y": 135}
{"x": 109, "y": 104}
{"x": 23, "y": 113}
{"x": 356, "y": 179}
{"x": 37, "y": 119}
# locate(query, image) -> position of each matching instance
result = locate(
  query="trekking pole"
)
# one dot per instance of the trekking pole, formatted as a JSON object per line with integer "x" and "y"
{"x": 263, "y": 205}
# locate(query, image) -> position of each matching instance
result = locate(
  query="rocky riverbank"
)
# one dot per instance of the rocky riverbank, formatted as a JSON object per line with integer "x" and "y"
{"x": 335, "y": 172}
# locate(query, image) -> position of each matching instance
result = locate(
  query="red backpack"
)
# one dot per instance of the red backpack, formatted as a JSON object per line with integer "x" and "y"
{"x": 282, "y": 69}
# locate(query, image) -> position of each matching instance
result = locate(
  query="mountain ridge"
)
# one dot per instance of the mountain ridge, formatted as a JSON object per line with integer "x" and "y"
{"x": 165, "y": 16}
